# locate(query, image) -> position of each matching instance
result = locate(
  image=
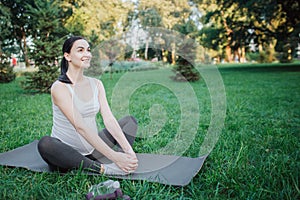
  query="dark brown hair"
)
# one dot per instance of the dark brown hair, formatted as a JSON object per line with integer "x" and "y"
{"x": 64, "y": 65}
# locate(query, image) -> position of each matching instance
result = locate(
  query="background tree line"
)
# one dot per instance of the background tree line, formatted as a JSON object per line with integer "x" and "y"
{"x": 35, "y": 29}
{"x": 230, "y": 26}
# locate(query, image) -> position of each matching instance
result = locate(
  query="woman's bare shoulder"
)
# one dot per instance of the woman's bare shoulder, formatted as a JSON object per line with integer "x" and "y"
{"x": 95, "y": 79}
{"x": 57, "y": 87}
{"x": 98, "y": 82}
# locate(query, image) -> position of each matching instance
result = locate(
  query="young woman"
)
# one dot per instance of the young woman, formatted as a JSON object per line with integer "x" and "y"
{"x": 76, "y": 99}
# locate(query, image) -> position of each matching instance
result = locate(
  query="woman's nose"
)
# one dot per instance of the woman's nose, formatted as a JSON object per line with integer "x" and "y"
{"x": 88, "y": 54}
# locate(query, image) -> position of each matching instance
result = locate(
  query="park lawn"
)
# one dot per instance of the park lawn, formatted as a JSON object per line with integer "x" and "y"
{"x": 256, "y": 156}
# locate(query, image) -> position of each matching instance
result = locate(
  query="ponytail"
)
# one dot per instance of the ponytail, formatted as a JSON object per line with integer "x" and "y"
{"x": 64, "y": 63}
{"x": 63, "y": 71}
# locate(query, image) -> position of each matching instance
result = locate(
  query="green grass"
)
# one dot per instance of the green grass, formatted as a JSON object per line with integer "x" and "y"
{"x": 256, "y": 156}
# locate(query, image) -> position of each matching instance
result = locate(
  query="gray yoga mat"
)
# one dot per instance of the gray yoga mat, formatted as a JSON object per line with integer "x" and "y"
{"x": 165, "y": 169}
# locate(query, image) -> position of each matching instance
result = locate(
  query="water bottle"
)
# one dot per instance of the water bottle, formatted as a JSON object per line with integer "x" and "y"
{"x": 105, "y": 190}
{"x": 105, "y": 187}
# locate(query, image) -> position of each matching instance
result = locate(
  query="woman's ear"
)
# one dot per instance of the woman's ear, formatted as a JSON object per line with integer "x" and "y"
{"x": 67, "y": 57}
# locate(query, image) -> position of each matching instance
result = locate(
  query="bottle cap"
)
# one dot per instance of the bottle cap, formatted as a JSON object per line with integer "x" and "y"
{"x": 116, "y": 184}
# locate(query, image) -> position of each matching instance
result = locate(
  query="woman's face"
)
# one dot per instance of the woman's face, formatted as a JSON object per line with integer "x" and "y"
{"x": 80, "y": 54}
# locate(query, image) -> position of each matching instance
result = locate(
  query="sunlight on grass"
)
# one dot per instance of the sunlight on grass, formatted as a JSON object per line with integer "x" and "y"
{"x": 169, "y": 117}
{"x": 256, "y": 156}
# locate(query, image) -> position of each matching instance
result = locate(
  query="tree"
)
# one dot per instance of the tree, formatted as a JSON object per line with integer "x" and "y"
{"x": 266, "y": 21}
{"x": 5, "y": 21}
{"x": 6, "y": 71}
{"x": 164, "y": 14}
{"x": 20, "y": 24}
{"x": 276, "y": 24}
{"x": 170, "y": 11}
{"x": 149, "y": 18}
{"x": 186, "y": 52}
{"x": 226, "y": 26}
{"x": 103, "y": 18}
{"x": 288, "y": 31}
{"x": 47, "y": 38}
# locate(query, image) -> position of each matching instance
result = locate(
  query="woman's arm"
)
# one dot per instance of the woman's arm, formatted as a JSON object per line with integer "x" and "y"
{"x": 62, "y": 98}
{"x": 110, "y": 122}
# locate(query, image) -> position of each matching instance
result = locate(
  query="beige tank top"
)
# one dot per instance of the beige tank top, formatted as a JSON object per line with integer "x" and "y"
{"x": 65, "y": 131}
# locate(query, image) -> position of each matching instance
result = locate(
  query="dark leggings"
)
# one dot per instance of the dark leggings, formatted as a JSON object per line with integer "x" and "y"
{"x": 62, "y": 157}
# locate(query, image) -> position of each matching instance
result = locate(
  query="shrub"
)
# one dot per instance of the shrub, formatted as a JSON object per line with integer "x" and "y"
{"x": 184, "y": 68}
{"x": 42, "y": 79}
{"x": 252, "y": 56}
{"x": 185, "y": 73}
{"x": 7, "y": 73}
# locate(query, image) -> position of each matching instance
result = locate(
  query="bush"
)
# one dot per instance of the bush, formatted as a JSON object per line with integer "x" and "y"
{"x": 41, "y": 80}
{"x": 252, "y": 56}
{"x": 186, "y": 55}
{"x": 185, "y": 73}
{"x": 261, "y": 57}
{"x": 7, "y": 73}
{"x": 120, "y": 66}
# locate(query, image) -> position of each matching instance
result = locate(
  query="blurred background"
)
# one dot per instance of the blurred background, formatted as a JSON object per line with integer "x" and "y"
{"x": 231, "y": 31}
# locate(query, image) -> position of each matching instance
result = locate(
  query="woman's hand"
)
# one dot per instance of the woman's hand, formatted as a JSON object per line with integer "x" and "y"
{"x": 127, "y": 162}
{"x": 131, "y": 153}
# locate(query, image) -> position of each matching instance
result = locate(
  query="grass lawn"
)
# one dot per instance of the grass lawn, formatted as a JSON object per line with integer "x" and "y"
{"x": 256, "y": 157}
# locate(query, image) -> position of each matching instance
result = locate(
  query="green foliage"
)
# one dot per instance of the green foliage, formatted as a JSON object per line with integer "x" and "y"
{"x": 186, "y": 54}
{"x": 224, "y": 22}
{"x": 150, "y": 18}
{"x": 101, "y": 17}
{"x": 133, "y": 66}
{"x": 252, "y": 56}
{"x": 260, "y": 57}
{"x": 5, "y": 21}
{"x": 41, "y": 80}
{"x": 168, "y": 12}
{"x": 121, "y": 66}
{"x": 7, "y": 73}
{"x": 19, "y": 25}
{"x": 47, "y": 45}
{"x": 263, "y": 57}
{"x": 185, "y": 72}
{"x": 187, "y": 28}
{"x": 210, "y": 38}
{"x": 268, "y": 22}
{"x": 285, "y": 55}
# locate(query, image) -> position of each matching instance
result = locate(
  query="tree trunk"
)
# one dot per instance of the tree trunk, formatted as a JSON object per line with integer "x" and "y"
{"x": 24, "y": 47}
{"x": 173, "y": 53}
{"x": 228, "y": 33}
{"x": 271, "y": 50}
{"x": 243, "y": 55}
{"x": 1, "y": 51}
{"x": 133, "y": 55}
{"x": 228, "y": 54}
{"x": 146, "y": 49}
{"x": 260, "y": 48}
{"x": 164, "y": 57}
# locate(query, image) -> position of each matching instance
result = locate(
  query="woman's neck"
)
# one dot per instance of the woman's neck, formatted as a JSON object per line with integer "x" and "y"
{"x": 76, "y": 76}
